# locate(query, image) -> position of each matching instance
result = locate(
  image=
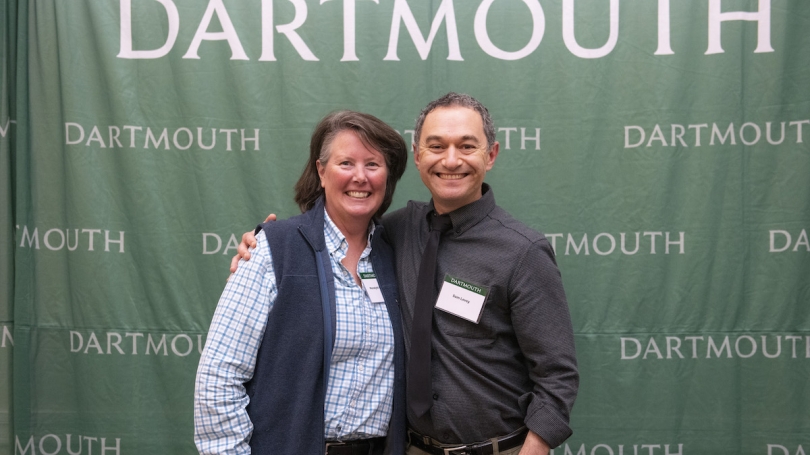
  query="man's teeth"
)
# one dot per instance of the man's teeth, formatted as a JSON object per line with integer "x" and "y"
{"x": 360, "y": 194}
{"x": 451, "y": 176}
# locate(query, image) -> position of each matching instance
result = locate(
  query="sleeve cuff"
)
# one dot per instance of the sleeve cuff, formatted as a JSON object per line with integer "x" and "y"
{"x": 548, "y": 424}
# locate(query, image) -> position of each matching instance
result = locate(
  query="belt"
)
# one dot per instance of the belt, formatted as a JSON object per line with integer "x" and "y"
{"x": 430, "y": 445}
{"x": 356, "y": 447}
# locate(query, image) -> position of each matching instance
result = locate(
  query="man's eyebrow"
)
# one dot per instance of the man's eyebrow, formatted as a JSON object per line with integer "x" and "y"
{"x": 467, "y": 137}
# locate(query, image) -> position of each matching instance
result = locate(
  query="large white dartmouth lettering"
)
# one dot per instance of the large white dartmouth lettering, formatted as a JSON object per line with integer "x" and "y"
{"x": 349, "y": 52}
{"x": 402, "y": 13}
{"x": 664, "y": 48}
{"x": 762, "y": 17}
{"x": 571, "y": 40}
{"x": 228, "y": 32}
{"x": 126, "y": 50}
{"x": 482, "y": 36}
{"x": 287, "y": 29}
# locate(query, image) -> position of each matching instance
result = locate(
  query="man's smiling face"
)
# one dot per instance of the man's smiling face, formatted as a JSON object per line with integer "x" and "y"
{"x": 452, "y": 156}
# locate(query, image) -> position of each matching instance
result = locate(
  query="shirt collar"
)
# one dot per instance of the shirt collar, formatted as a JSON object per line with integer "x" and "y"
{"x": 465, "y": 217}
{"x": 336, "y": 242}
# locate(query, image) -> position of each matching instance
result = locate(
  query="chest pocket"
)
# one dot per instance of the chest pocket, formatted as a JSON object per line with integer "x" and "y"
{"x": 495, "y": 313}
{"x": 452, "y": 325}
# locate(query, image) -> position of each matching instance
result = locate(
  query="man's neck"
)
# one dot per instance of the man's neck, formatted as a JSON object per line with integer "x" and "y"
{"x": 442, "y": 209}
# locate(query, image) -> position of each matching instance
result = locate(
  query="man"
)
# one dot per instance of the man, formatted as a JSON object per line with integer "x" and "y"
{"x": 503, "y": 374}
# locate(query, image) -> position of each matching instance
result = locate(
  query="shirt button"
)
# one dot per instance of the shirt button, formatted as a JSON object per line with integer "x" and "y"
{"x": 435, "y": 396}
{"x": 446, "y": 435}
{"x": 360, "y": 368}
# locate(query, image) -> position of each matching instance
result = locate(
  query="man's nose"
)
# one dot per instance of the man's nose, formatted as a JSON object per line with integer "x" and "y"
{"x": 451, "y": 160}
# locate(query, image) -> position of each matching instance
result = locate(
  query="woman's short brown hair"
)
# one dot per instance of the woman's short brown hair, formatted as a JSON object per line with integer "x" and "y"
{"x": 373, "y": 132}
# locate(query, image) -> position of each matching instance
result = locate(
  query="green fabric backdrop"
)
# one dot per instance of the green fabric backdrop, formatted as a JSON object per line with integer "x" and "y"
{"x": 662, "y": 146}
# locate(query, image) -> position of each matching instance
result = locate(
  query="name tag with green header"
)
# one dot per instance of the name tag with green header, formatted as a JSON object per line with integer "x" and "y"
{"x": 372, "y": 287}
{"x": 461, "y": 298}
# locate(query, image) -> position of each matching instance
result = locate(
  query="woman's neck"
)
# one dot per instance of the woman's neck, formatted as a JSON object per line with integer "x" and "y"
{"x": 354, "y": 229}
{"x": 356, "y": 233}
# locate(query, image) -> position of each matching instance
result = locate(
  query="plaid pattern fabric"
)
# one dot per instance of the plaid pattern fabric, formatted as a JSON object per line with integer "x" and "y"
{"x": 221, "y": 424}
{"x": 360, "y": 389}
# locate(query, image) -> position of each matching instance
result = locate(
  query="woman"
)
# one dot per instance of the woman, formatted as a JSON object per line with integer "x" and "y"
{"x": 305, "y": 354}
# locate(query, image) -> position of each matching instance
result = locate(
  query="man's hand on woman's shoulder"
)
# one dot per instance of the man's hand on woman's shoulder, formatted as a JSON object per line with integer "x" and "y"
{"x": 248, "y": 242}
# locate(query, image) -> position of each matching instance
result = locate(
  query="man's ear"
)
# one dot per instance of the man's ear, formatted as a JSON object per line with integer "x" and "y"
{"x": 416, "y": 155}
{"x": 493, "y": 154}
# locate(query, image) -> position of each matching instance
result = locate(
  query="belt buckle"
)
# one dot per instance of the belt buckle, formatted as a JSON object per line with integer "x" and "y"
{"x": 450, "y": 450}
{"x": 331, "y": 444}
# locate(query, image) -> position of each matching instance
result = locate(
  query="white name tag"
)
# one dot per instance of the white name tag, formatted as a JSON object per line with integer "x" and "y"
{"x": 372, "y": 287}
{"x": 463, "y": 299}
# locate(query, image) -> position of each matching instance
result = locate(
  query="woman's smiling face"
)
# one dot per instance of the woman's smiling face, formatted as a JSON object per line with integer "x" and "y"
{"x": 353, "y": 178}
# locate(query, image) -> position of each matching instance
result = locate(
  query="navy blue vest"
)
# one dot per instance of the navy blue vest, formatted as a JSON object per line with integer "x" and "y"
{"x": 292, "y": 366}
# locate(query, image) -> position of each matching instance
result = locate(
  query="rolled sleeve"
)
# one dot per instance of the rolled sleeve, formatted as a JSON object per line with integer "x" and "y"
{"x": 542, "y": 324}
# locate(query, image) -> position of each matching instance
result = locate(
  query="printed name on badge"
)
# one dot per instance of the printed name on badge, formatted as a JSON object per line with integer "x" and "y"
{"x": 463, "y": 299}
{"x": 372, "y": 287}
